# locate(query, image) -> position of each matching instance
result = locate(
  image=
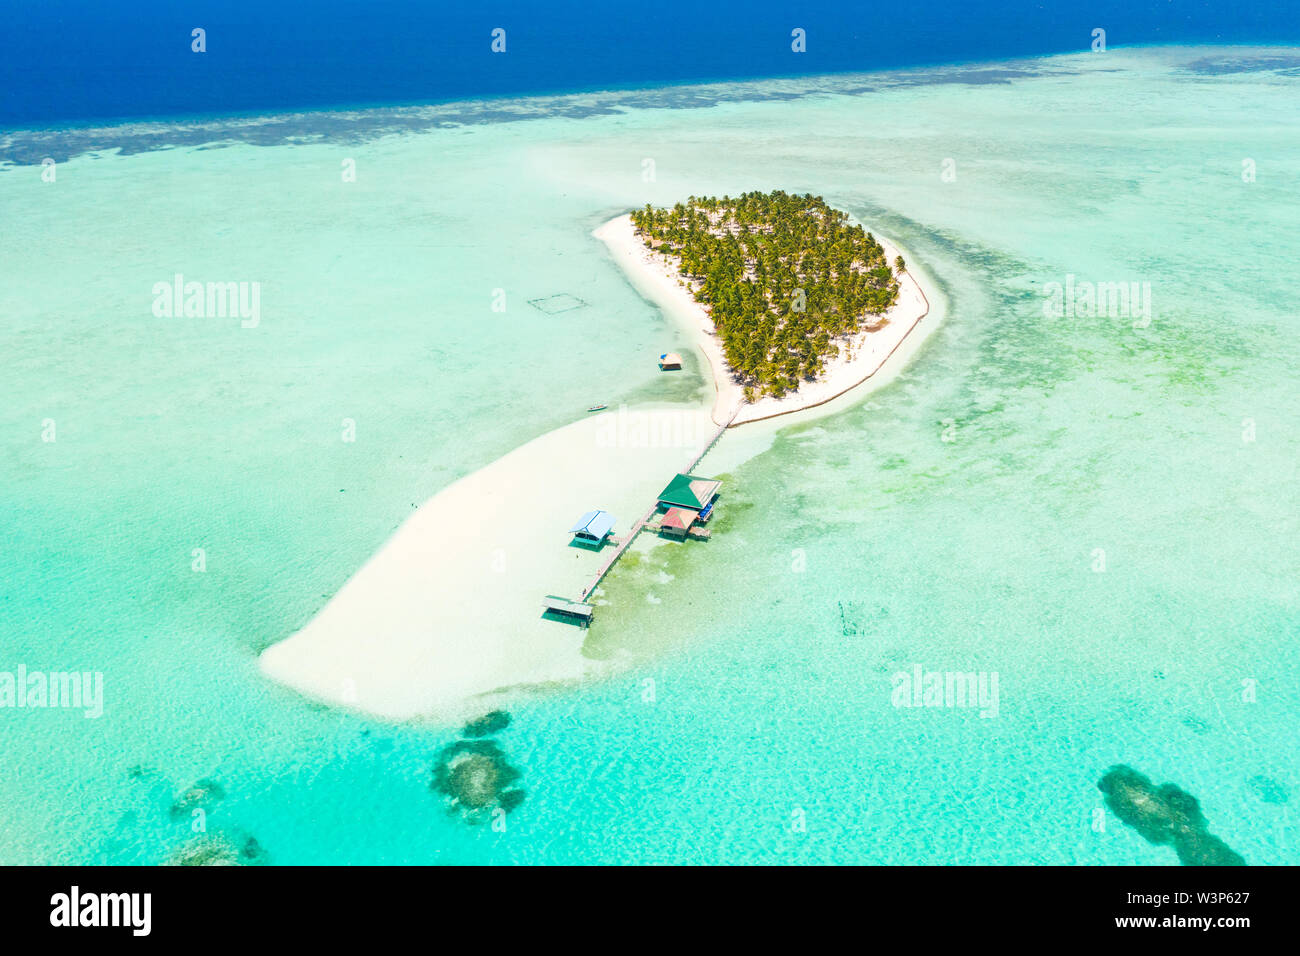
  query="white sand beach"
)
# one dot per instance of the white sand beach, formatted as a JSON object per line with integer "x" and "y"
{"x": 449, "y": 611}
{"x": 864, "y": 358}
{"x": 446, "y": 618}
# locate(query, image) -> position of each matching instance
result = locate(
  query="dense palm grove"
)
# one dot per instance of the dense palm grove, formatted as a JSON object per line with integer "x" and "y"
{"x": 784, "y": 277}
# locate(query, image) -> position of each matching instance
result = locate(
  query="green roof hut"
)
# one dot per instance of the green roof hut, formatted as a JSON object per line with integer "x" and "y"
{"x": 691, "y": 492}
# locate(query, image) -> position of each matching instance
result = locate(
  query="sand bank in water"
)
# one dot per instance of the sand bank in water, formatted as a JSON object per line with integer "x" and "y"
{"x": 448, "y": 612}
{"x": 446, "y": 617}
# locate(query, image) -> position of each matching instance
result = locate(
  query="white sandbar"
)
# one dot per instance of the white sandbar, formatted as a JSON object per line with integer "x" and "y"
{"x": 447, "y": 615}
{"x": 448, "y": 612}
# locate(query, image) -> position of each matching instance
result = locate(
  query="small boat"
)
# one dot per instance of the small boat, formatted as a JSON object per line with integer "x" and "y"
{"x": 596, "y": 408}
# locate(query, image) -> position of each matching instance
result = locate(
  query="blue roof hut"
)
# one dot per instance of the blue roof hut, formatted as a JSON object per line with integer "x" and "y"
{"x": 593, "y": 527}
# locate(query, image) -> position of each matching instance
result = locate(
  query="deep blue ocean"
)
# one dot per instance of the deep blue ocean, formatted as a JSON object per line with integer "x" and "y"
{"x": 68, "y": 61}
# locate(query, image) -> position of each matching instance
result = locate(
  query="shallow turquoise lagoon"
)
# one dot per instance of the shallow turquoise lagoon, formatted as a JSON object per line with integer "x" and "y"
{"x": 1100, "y": 509}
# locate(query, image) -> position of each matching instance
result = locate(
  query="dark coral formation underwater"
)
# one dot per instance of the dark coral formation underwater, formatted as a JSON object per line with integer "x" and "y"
{"x": 474, "y": 774}
{"x": 219, "y": 849}
{"x": 165, "y": 808}
{"x": 493, "y": 722}
{"x": 1166, "y": 816}
{"x": 201, "y": 795}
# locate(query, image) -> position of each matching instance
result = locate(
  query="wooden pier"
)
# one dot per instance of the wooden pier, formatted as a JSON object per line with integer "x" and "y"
{"x": 640, "y": 525}
{"x": 618, "y": 552}
{"x": 713, "y": 441}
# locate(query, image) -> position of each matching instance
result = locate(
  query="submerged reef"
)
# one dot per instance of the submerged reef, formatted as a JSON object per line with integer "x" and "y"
{"x": 1165, "y": 816}
{"x": 218, "y": 849}
{"x": 493, "y": 722}
{"x": 1269, "y": 790}
{"x": 476, "y": 778}
{"x": 201, "y": 795}
{"x": 165, "y": 807}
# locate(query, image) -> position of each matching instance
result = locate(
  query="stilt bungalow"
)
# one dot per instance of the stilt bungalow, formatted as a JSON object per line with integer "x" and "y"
{"x": 691, "y": 492}
{"x": 676, "y": 523}
{"x": 593, "y": 528}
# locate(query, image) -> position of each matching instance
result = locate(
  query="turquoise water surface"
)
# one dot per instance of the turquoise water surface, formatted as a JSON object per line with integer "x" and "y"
{"x": 1100, "y": 509}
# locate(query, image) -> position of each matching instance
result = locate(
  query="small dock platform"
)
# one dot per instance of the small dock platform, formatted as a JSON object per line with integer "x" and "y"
{"x": 574, "y": 611}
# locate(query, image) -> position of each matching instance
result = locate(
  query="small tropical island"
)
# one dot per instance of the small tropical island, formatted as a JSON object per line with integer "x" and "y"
{"x": 390, "y": 645}
{"x": 791, "y": 302}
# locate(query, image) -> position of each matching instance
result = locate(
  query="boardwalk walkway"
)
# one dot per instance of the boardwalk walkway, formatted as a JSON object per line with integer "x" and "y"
{"x": 640, "y": 524}
{"x": 690, "y": 467}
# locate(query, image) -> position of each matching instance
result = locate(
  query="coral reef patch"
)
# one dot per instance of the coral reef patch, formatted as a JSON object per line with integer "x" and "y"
{"x": 490, "y": 723}
{"x": 474, "y": 775}
{"x": 1165, "y": 816}
{"x": 1269, "y": 790}
{"x": 202, "y": 794}
{"x": 218, "y": 849}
